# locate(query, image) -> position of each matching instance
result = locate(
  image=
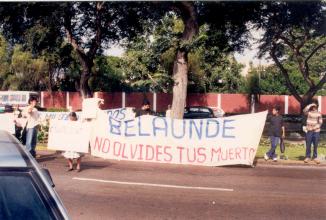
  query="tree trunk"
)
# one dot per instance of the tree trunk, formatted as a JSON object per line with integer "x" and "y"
{"x": 180, "y": 68}
{"x": 86, "y": 74}
{"x": 180, "y": 78}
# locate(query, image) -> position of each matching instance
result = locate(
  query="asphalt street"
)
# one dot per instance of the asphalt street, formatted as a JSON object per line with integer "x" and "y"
{"x": 108, "y": 189}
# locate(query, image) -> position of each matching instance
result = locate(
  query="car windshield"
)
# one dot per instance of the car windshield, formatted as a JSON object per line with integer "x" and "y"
{"x": 20, "y": 199}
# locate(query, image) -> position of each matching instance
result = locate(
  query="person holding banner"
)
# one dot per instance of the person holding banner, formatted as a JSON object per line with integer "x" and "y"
{"x": 313, "y": 125}
{"x": 168, "y": 112}
{"x": 32, "y": 125}
{"x": 276, "y": 132}
{"x": 145, "y": 109}
{"x": 71, "y": 155}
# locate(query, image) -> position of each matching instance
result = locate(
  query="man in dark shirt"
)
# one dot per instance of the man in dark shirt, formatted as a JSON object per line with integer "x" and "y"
{"x": 145, "y": 109}
{"x": 276, "y": 132}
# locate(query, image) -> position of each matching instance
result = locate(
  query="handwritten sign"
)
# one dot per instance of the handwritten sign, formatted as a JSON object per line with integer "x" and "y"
{"x": 121, "y": 113}
{"x": 209, "y": 142}
{"x": 56, "y": 116}
{"x": 69, "y": 136}
{"x": 91, "y": 107}
{"x": 7, "y": 122}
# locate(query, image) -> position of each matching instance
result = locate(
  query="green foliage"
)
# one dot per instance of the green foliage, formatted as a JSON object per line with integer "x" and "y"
{"x": 294, "y": 37}
{"x": 26, "y": 72}
{"x": 43, "y": 133}
{"x": 108, "y": 75}
{"x": 4, "y": 61}
{"x": 149, "y": 60}
{"x": 56, "y": 110}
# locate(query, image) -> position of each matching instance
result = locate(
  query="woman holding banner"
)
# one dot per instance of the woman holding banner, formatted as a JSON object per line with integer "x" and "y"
{"x": 71, "y": 155}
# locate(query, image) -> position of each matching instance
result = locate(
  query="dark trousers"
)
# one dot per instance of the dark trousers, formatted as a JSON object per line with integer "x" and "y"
{"x": 274, "y": 142}
{"x": 312, "y": 138}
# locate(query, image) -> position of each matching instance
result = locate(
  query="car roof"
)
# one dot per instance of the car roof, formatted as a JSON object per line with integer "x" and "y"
{"x": 15, "y": 156}
{"x": 11, "y": 153}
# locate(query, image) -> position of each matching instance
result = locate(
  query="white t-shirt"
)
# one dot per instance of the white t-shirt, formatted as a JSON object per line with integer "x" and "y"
{"x": 32, "y": 117}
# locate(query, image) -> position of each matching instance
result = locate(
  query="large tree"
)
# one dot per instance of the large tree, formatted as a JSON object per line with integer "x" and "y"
{"x": 90, "y": 27}
{"x": 149, "y": 60}
{"x": 226, "y": 19}
{"x": 295, "y": 33}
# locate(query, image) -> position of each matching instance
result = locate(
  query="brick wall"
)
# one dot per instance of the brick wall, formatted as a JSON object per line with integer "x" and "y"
{"x": 230, "y": 103}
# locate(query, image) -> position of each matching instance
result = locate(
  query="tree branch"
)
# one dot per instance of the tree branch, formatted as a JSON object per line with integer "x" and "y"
{"x": 314, "y": 90}
{"x": 70, "y": 37}
{"x": 314, "y": 51}
{"x": 304, "y": 69}
{"x": 96, "y": 42}
{"x": 285, "y": 74}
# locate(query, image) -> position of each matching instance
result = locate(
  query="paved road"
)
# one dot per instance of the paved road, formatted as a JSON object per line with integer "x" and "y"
{"x": 128, "y": 190}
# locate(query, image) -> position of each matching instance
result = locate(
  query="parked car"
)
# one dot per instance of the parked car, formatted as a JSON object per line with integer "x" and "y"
{"x": 26, "y": 190}
{"x": 196, "y": 112}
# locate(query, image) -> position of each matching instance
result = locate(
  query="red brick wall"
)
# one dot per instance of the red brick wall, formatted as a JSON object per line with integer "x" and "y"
{"x": 235, "y": 103}
{"x": 230, "y": 103}
{"x": 323, "y": 105}
{"x": 267, "y": 102}
{"x": 58, "y": 99}
{"x": 294, "y": 106}
{"x": 111, "y": 100}
{"x": 75, "y": 101}
{"x": 162, "y": 101}
{"x": 208, "y": 99}
{"x": 135, "y": 99}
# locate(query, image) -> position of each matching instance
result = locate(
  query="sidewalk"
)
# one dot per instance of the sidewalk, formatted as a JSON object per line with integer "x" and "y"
{"x": 279, "y": 162}
{"x": 44, "y": 153}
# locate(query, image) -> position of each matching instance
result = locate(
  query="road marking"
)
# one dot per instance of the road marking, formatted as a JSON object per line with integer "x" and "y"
{"x": 153, "y": 185}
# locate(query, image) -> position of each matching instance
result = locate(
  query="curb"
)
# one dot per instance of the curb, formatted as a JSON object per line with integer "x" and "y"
{"x": 289, "y": 163}
{"x": 257, "y": 162}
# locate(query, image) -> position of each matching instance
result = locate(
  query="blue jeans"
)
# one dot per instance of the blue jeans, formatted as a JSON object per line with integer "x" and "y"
{"x": 274, "y": 142}
{"x": 31, "y": 138}
{"x": 312, "y": 138}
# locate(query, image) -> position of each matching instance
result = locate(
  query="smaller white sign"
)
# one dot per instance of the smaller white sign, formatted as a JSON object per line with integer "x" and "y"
{"x": 7, "y": 122}
{"x": 69, "y": 136}
{"x": 90, "y": 107}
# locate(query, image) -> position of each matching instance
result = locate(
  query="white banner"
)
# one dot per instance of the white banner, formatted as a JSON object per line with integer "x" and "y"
{"x": 7, "y": 122}
{"x": 121, "y": 113}
{"x": 69, "y": 136}
{"x": 61, "y": 116}
{"x": 118, "y": 113}
{"x": 209, "y": 142}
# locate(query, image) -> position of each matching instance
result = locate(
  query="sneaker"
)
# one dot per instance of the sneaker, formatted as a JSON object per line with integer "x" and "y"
{"x": 306, "y": 160}
{"x": 266, "y": 157}
{"x": 275, "y": 159}
{"x": 316, "y": 161}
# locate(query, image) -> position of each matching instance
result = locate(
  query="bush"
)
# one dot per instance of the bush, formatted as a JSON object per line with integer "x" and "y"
{"x": 57, "y": 110}
{"x": 43, "y": 134}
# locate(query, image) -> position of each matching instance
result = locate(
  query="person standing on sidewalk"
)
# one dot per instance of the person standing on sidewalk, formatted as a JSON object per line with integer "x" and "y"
{"x": 32, "y": 125}
{"x": 71, "y": 155}
{"x": 276, "y": 132}
{"x": 313, "y": 125}
{"x": 145, "y": 109}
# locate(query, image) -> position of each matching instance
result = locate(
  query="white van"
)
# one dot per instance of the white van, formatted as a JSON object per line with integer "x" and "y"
{"x": 8, "y": 99}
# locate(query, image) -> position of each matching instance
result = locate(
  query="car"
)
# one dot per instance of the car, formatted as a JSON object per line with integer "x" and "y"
{"x": 26, "y": 190}
{"x": 197, "y": 112}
